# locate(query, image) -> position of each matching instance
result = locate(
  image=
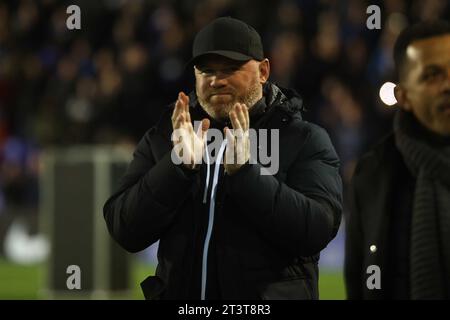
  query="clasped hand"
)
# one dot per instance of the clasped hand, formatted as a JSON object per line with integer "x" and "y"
{"x": 190, "y": 145}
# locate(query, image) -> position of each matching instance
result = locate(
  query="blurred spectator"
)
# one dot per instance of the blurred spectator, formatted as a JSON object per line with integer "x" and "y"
{"x": 342, "y": 115}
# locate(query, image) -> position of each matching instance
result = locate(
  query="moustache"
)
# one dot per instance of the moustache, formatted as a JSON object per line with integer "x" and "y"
{"x": 219, "y": 92}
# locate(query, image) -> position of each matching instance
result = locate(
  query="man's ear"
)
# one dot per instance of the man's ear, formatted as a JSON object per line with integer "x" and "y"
{"x": 401, "y": 95}
{"x": 264, "y": 71}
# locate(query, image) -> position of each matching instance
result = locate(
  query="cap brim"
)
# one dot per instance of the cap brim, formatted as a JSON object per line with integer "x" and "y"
{"x": 224, "y": 53}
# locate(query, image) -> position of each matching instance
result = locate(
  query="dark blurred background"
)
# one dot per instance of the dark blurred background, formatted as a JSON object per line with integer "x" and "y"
{"x": 108, "y": 82}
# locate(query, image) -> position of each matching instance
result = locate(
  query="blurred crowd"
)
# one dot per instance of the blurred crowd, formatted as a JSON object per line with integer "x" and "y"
{"x": 108, "y": 82}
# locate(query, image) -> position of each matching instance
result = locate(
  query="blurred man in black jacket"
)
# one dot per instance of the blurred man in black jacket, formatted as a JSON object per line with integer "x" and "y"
{"x": 229, "y": 231}
{"x": 400, "y": 220}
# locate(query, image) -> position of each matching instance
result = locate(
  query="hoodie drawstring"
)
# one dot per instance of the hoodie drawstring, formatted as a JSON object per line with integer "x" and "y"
{"x": 208, "y": 162}
{"x": 211, "y": 210}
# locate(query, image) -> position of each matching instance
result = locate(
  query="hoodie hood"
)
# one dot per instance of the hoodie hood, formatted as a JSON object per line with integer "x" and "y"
{"x": 288, "y": 100}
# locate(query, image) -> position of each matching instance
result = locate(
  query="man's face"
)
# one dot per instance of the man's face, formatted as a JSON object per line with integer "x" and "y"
{"x": 222, "y": 82}
{"x": 425, "y": 87}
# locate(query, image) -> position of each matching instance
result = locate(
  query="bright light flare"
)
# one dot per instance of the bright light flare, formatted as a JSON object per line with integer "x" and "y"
{"x": 387, "y": 94}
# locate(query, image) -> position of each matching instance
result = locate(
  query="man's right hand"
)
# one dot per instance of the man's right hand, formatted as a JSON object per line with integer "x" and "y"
{"x": 188, "y": 144}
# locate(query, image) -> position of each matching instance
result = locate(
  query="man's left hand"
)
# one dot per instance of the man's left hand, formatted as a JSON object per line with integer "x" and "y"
{"x": 238, "y": 147}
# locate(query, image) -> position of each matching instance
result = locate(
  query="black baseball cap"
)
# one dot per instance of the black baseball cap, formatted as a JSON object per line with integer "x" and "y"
{"x": 230, "y": 38}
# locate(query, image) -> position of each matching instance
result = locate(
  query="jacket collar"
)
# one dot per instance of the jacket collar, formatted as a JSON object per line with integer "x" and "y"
{"x": 286, "y": 100}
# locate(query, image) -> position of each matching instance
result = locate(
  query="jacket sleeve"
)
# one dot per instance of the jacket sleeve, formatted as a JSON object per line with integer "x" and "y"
{"x": 303, "y": 214}
{"x": 147, "y": 198}
{"x": 353, "y": 265}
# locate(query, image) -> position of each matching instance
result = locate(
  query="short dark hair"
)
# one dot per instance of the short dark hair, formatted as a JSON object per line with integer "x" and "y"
{"x": 413, "y": 33}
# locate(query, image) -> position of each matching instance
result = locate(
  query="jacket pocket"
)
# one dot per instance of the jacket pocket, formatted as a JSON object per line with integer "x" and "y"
{"x": 153, "y": 288}
{"x": 290, "y": 289}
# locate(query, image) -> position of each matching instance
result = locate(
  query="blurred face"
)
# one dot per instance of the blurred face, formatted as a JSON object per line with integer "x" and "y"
{"x": 425, "y": 86}
{"x": 222, "y": 82}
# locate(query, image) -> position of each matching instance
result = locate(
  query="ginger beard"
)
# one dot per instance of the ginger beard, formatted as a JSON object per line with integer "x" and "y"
{"x": 218, "y": 106}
